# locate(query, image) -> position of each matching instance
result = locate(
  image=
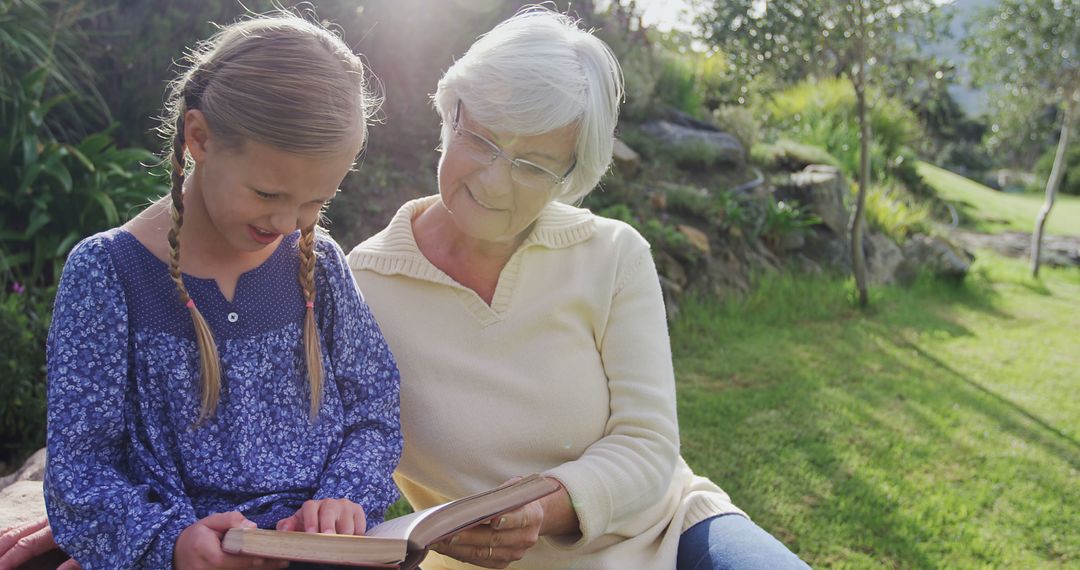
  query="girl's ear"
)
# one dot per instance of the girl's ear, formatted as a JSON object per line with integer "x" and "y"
{"x": 196, "y": 134}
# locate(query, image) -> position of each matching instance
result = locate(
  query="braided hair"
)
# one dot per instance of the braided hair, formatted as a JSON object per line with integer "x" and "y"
{"x": 279, "y": 80}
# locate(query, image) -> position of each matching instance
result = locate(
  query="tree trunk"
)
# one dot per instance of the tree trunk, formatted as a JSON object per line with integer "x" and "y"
{"x": 858, "y": 259}
{"x": 1052, "y": 183}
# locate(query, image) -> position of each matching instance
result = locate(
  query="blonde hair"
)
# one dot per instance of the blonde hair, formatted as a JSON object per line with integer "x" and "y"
{"x": 534, "y": 73}
{"x": 278, "y": 80}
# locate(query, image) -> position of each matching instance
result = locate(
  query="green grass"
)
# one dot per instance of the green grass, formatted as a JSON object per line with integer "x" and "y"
{"x": 988, "y": 210}
{"x": 941, "y": 429}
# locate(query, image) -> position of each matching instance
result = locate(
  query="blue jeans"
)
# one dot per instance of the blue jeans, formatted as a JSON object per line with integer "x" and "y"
{"x": 733, "y": 542}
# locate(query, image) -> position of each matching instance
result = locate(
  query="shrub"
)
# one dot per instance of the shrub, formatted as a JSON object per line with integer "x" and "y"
{"x": 823, "y": 114}
{"x": 677, "y": 83}
{"x": 783, "y": 218}
{"x": 695, "y": 154}
{"x": 24, "y": 325}
{"x": 789, "y": 156}
{"x": 59, "y": 192}
{"x": 718, "y": 207}
{"x": 893, "y": 213}
{"x": 739, "y": 121}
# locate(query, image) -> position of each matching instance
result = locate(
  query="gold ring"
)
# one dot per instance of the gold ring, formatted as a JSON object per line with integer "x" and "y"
{"x": 490, "y": 552}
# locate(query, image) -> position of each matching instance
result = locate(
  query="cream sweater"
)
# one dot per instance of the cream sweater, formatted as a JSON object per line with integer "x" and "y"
{"x": 568, "y": 372}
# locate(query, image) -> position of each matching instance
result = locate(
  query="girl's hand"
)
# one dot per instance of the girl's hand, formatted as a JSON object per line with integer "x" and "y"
{"x": 499, "y": 541}
{"x": 199, "y": 545}
{"x": 328, "y": 516}
{"x": 19, "y": 544}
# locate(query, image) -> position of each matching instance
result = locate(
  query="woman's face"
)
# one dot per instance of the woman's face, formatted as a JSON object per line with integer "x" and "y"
{"x": 483, "y": 197}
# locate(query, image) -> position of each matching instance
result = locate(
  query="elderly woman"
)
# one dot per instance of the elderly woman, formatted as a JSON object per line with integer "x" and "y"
{"x": 531, "y": 334}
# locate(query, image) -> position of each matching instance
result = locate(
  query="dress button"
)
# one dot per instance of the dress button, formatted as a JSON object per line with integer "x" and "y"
{"x": 233, "y": 317}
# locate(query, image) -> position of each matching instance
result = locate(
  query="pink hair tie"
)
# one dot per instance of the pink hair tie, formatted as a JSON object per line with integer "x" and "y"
{"x": 190, "y": 303}
{"x": 310, "y": 304}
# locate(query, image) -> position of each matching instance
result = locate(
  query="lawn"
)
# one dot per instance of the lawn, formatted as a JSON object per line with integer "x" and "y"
{"x": 941, "y": 429}
{"x": 986, "y": 209}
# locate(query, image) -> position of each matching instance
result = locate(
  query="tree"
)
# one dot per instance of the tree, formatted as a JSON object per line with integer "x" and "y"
{"x": 1032, "y": 47}
{"x": 795, "y": 39}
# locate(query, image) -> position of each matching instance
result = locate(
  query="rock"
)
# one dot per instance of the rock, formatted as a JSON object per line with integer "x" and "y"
{"x": 935, "y": 255}
{"x": 672, "y": 295}
{"x": 820, "y": 190}
{"x": 670, "y": 268}
{"x": 716, "y": 147}
{"x": 826, "y": 248}
{"x": 883, "y": 257}
{"x": 658, "y": 200}
{"x": 21, "y": 502}
{"x": 627, "y": 162}
{"x": 697, "y": 238}
{"x": 32, "y": 470}
{"x": 21, "y": 499}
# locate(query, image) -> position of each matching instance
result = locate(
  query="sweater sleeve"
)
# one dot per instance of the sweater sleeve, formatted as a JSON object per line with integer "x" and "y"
{"x": 629, "y": 469}
{"x": 99, "y": 514}
{"x": 368, "y": 381}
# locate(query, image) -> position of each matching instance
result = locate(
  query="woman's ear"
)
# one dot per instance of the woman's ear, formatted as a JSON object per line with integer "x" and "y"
{"x": 196, "y": 134}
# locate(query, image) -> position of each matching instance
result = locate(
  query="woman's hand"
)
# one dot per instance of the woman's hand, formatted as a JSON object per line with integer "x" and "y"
{"x": 328, "y": 516}
{"x": 498, "y": 542}
{"x": 19, "y": 544}
{"x": 199, "y": 545}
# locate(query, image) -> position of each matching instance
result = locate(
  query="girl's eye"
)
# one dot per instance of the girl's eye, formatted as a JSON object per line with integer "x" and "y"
{"x": 264, "y": 195}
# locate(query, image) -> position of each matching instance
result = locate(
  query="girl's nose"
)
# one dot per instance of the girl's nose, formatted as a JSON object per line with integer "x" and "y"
{"x": 284, "y": 222}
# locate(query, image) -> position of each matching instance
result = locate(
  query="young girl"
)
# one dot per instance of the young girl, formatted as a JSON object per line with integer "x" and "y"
{"x": 211, "y": 363}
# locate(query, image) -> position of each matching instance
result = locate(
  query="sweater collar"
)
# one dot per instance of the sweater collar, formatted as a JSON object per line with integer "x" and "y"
{"x": 558, "y": 226}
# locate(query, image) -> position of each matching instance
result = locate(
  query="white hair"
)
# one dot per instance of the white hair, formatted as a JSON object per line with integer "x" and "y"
{"x": 534, "y": 73}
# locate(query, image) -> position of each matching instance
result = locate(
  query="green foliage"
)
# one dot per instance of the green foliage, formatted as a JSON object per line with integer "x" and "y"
{"x": 891, "y": 210}
{"x": 786, "y": 155}
{"x": 796, "y": 39}
{"x": 823, "y": 114}
{"x": 783, "y": 218}
{"x": 694, "y": 154}
{"x": 717, "y": 207}
{"x": 1070, "y": 182}
{"x": 1031, "y": 49}
{"x": 1030, "y": 46}
{"x": 55, "y": 193}
{"x": 690, "y": 80}
{"x": 24, "y": 325}
{"x": 48, "y": 34}
{"x": 739, "y": 121}
{"x": 677, "y": 84}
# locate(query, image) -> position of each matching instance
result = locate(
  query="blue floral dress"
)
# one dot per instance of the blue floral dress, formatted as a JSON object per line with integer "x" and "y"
{"x": 128, "y": 468}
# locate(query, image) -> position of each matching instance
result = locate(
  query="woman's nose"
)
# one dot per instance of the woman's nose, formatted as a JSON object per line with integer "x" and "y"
{"x": 498, "y": 177}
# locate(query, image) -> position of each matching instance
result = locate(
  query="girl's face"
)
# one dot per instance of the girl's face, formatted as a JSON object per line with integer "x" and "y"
{"x": 256, "y": 193}
{"x": 482, "y": 197}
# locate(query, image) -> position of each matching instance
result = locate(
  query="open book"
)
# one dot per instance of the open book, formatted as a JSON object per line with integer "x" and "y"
{"x": 396, "y": 543}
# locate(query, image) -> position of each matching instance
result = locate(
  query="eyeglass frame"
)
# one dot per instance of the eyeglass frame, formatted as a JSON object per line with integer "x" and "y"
{"x": 497, "y": 152}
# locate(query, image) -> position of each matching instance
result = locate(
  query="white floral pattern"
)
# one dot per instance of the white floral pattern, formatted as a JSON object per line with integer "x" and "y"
{"x": 128, "y": 469}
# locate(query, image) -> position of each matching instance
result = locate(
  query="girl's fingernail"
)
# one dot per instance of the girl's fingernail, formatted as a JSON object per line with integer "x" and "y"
{"x": 455, "y": 540}
{"x": 500, "y": 523}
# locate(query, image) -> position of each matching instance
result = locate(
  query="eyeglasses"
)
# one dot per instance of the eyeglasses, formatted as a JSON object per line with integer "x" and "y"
{"x": 523, "y": 172}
